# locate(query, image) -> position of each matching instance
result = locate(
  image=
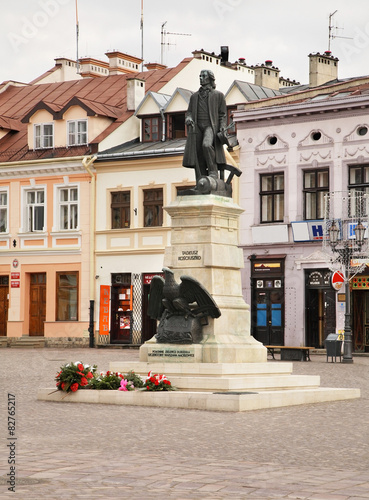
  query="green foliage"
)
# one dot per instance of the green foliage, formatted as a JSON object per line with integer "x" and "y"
{"x": 108, "y": 381}
{"x": 137, "y": 381}
{"x": 74, "y": 376}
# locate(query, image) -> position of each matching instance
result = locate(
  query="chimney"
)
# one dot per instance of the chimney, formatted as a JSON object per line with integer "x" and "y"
{"x": 322, "y": 68}
{"x": 224, "y": 54}
{"x": 155, "y": 65}
{"x": 119, "y": 63}
{"x": 267, "y": 75}
{"x": 135, "y": 92}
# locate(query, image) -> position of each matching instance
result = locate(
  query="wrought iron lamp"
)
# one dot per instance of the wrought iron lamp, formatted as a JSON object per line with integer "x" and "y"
{"x": 346, "y": 248}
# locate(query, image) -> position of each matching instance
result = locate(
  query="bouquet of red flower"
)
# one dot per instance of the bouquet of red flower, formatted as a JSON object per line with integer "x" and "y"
{"x": 74, "y": 376}
{"x": 156, "y": 382}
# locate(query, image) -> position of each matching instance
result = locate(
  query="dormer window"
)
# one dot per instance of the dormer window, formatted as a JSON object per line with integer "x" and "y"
{"x": 77, "y": 132}
{"x": 151, "y": 129}
{"x": 44, "y": 135}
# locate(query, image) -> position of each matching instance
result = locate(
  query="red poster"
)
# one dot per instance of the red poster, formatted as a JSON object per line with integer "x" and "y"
{"x": 104, "y": 309}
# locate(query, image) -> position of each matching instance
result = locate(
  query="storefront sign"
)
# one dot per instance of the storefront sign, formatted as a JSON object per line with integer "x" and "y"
{"x": 318, "y": 278}
{"x": 307, "y": 230}
{"x": 337, "y": 280}
{"x": 361, "y": 282}
{"x": 147, "y": 278}
{"x": 104, "y": 309}
{"x": 267, "y": 266}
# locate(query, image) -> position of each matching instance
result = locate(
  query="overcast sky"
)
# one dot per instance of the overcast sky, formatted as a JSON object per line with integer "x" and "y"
{"x": 34, "y": 32}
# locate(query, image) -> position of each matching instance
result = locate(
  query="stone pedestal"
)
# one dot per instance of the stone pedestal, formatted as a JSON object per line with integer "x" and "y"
{"x": 204, "y": 245}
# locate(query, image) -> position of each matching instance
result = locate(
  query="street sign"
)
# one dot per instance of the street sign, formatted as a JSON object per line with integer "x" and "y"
{"x": 337, "y": 280}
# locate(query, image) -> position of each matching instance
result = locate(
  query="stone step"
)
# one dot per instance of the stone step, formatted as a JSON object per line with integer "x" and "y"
{"x": 29, "y": 342}
{"x": 225, "y": 376}
{"x": 245, "y": 383}
{"x": 3, "y": 341}
{"x": 203, "y": 369}
{"x": 235, "y": 402}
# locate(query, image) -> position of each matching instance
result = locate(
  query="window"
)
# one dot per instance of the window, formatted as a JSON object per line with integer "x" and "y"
{"x": 44, "y": 135}
{"x": 272, "y": 197}
{"x": 316, "y": 185}
{"x": 177, "y": 126}
{"x": 231, "y": 130}
{"x": 68, "y": 208}
{"x": 3, "y": 211}
{"x": 35, "y": 210}
{"x": 153, "y": 207}
{"x": 358, "y": 183}
{"x": 77, "y": 132}
{"x": 120, "y": 209}
{"x": 67, "y": 296}
{"x": 150, "y": 129}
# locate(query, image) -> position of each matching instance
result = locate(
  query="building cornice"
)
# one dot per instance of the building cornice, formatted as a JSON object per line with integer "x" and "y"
{"x": 42, "y": 167}
{"x": 332, "y": 105}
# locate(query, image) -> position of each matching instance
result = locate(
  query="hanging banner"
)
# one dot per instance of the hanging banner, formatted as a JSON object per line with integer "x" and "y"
{"x": 104, "y": 309}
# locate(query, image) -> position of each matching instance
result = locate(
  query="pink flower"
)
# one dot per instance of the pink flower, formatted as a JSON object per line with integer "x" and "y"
{"x": 123, "y": 385}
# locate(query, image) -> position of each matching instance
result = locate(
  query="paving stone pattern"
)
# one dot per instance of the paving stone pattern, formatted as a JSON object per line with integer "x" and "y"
{"x": 69, "y": 451}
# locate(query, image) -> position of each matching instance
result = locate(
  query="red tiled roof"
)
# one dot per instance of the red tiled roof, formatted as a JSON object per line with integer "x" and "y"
{"x": 105, "y": 96}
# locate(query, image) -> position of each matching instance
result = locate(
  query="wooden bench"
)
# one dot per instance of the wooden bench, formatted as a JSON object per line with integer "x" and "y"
{"x": 290, "y": 353}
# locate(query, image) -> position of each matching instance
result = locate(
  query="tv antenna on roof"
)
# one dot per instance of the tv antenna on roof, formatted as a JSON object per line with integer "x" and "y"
{"x": 163, "y": 42}
{"x": 77, "y": 37}
{"x": 332, "y": 30}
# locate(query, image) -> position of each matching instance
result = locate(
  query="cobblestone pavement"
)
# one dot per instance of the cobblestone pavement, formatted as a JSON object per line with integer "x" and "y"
{"x": 68, "y": 451}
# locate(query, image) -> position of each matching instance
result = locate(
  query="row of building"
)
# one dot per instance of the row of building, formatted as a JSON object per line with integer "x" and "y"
{"x": 89, "y": 161}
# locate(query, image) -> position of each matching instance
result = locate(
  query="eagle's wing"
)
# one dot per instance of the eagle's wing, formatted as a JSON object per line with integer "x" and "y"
{"x": 155, "y": 306}
{"x": 194, "y": 291}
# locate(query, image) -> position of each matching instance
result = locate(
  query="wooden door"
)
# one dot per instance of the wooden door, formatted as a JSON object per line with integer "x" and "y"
{"x": 148, "y": 324}
{"x": 37, "y": 309}
{"x": 4, "y": 292}
{"x": 268, "y": 322}
{"x": 121, "y": 315}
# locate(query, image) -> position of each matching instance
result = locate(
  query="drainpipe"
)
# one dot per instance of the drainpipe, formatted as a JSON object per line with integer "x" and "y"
{"x": 87, "y": 162}
{"x": 163, "y": 124}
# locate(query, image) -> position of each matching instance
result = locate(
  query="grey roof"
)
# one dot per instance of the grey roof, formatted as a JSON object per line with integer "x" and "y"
{"x": 253, "y": 92}
{"x": 136, "y": 149}
{"x": 185, "y": 93}
{"x": 160, "y": 99}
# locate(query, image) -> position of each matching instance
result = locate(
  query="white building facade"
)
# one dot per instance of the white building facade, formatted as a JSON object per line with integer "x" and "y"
{"x": 291, "y": 156}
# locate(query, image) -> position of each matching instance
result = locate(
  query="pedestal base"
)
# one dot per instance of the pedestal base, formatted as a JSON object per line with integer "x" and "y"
{"x": 207, "y": 352}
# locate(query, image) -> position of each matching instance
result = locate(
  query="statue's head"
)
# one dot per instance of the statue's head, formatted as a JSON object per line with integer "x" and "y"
{"x": 207, "y": 78}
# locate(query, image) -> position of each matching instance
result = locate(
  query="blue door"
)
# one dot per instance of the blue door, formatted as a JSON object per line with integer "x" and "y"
{"x": 268, "y": 314}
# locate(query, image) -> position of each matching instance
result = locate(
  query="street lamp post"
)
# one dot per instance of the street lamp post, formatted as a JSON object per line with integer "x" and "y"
{"x": 346, "y": 249}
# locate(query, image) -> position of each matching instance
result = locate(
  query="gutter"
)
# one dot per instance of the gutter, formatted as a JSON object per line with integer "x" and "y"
{"x": 163, "y": 124}
{"x": 87, "y": 162}
{"x": 148, "y": 152}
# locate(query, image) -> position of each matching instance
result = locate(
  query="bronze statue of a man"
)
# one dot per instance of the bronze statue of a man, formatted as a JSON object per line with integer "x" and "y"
{"x": 205, "y": 118}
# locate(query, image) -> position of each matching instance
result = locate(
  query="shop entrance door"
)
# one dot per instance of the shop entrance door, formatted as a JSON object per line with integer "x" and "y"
{"x": 269, "y": 317}
{"x": 148, "y": 324}
{"x": 121, "y": 309}
{"x": 320, "y": 308}
{"x": 37, "y": 309}
{"x": 360, "y": 320}
{"x": 4, "y": 302}
{"x": 267, "y": 299}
